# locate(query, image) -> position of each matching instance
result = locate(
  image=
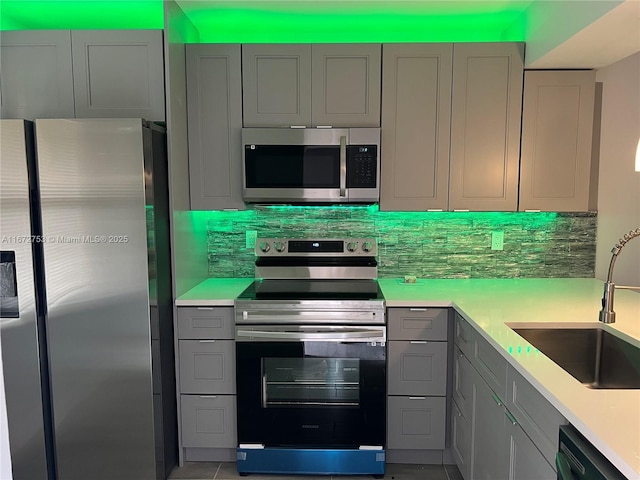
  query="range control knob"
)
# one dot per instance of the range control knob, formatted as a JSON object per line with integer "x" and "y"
{"x": 264, "y": 247}
{"x": 352, "y": 246}
{"x": 367, "y": 246}
{"x": 280, "y": 246}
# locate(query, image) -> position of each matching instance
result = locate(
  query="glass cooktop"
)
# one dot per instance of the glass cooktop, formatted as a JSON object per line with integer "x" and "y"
{"x": 309, "y": 289}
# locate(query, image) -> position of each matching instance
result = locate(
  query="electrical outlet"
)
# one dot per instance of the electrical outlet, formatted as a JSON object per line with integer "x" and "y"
{"x": 250, "y": 238}
{"x": 497, "y": 240}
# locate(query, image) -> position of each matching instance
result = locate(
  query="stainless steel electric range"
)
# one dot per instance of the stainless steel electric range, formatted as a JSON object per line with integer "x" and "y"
{"x": 310, "y": 353}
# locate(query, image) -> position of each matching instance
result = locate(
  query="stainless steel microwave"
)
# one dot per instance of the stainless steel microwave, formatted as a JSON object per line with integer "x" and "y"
{"x": 311, "y": 165}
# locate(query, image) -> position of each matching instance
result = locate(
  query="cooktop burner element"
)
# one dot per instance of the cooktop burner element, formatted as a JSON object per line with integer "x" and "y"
{"x": 312, "y": 290}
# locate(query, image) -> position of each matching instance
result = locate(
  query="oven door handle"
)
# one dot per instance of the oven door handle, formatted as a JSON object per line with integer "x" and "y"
{"x": 331, "y": 336}
{"x": 308, "y": 316}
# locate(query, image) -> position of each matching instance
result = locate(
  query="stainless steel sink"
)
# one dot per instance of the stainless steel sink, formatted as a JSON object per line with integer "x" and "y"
{"x": 593, "y": 356}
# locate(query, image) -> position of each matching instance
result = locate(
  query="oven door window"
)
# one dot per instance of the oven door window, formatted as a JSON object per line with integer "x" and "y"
{"x": 292, "y": 166}
{"x": 310, "y": 382}
{"x": 311, "y": 394}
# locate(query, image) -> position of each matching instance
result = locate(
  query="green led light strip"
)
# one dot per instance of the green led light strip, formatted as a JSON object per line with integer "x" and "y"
{"x": 282, "y": 22}
{"x": 81, "y": 15}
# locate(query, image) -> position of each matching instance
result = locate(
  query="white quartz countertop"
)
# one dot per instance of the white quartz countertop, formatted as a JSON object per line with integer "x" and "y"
{"x": 609, "y": 419}
{"x": 214, "y": 292}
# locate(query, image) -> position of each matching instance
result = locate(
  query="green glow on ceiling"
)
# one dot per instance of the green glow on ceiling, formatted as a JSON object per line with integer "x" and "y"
{"x": 238, "y": 25}
{"x": 81, "y": 15}
{"x": 302, "y": 21}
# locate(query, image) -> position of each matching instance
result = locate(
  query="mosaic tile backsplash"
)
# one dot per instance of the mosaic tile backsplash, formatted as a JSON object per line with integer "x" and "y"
{"x": 424, "y": 244}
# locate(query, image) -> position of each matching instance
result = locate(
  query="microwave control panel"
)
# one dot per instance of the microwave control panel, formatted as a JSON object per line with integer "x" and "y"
{"x": 362, "y": 166}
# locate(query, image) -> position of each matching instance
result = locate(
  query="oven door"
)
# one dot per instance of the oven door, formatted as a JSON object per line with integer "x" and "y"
{"x": 311, "y": 386}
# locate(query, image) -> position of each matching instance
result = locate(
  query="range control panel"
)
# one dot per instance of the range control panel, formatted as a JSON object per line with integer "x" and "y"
{"x": 332, "y": 247}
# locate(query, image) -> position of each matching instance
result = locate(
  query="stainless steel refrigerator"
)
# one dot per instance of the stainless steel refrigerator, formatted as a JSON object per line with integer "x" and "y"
{"x": 86, "y": 299}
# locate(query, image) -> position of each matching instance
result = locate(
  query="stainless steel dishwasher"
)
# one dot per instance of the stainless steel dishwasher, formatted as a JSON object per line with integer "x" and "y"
{"x": 578, "y": 459}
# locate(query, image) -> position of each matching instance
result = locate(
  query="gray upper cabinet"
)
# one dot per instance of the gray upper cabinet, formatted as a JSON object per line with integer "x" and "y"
{"x": 276, "y": 85}
{"x": 311, "y": 85}
{"x": 345, "y": 85}
{"x": 214, "y": 112}
{"x": 118, "y": 73}
{"x": 485, "y": 126}
{"x": 416, "y": 110}
{"x": 557, "y": 125}
{"x": 36, "y": 74}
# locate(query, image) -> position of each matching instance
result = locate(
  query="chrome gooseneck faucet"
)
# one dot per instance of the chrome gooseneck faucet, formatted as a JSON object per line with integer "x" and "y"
{"x": 607, "y": 315}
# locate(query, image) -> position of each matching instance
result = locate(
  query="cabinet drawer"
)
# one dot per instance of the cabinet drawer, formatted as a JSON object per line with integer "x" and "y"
{"x": 463, "y": 375}
{"x": 464, "y": 335}
{"x": 205, "y": 322}
{"x": 417, "y": 368}
{"x": 461, "y": 440}
{"x": 490, "y": 365}
{"x": 207, "y": 366}
{"x": 416, "y": 423}
{"x": 417, "y": 323}
{"x": 537, "y": 417}
{"x": 208, "y": 421}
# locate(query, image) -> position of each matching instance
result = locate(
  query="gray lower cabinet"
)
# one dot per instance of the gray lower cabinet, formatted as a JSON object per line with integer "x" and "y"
{"x": 417, "y": 367}
{"x": 501, "y": 427}
{"x": 207, "y": 366}
{"x": 417, "y": 359}
{"x": 526, "y": 462}
{"x": 36, "y": 75}
{"x": 214, "y": 112}
{"x": 490, "y": 455}
{"x": 205, "y": 322}
{"x": 461, "y": 440}
{"x": 557, "y": 124}
{"x": 82, "y": 73}
{"x": 416, "y": 423}
{"x": 485, "y": 126}
{"x": 208, "y": 421}
{"x": 206, "y": 383}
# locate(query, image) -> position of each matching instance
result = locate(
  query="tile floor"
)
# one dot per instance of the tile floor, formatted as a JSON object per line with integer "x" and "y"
{"x": 395, "y": 471}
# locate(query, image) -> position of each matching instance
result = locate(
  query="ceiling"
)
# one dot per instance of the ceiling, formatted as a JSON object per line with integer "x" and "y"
{"x": 558, "y": 33}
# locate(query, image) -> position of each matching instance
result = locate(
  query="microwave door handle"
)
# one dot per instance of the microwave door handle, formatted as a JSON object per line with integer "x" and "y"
{"x": 343, "y": 165}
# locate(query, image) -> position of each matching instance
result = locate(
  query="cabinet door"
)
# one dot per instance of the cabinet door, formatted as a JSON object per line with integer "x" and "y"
{"x": 214, "y": 112}
{"x": 205, "y": 323}
{"x": 417, "y": 368}
{"x": 35, "y": 74}
{"x": 207, "y": 366}
{"x": 208, "y": 421}
{"x": 276, "y": 85}
{"x": 534, "y": 414}
{"x": 461, "y": 440}
{"x": 485, "y": 126}
{"x": 345, "y": 85}
{"x": 526, "y": 462}
{"x": 418, "y": 323}
{"x": 557, "y": 125}
{"x": 118, "y": 74}
{"x": 490, "y": 450}
{"x": 416, "y": 423}
{"x": 463, "y": 375}
{"x": 416, "y": 109}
